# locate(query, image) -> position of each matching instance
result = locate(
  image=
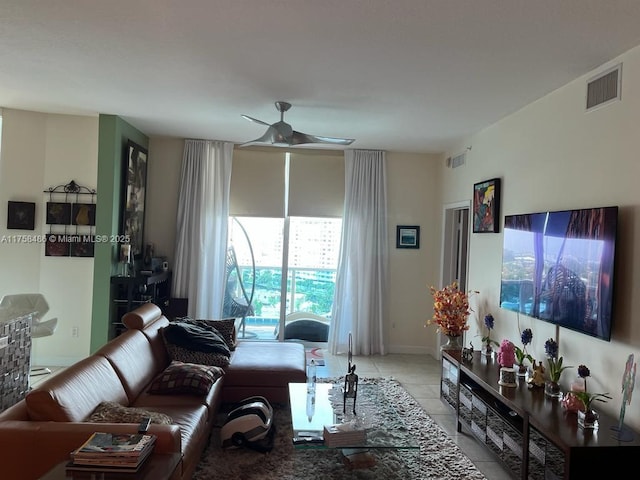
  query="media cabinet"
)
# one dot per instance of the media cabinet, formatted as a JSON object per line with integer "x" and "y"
{"x": 530, "y": 433}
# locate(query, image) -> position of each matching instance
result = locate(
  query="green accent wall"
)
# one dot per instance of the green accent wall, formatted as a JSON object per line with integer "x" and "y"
{"x": 113, "y": 134}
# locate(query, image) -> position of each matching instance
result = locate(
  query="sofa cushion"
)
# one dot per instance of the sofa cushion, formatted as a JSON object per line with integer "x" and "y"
{"x": 72, "y": 394}
{"x": 180, "y": 377}
{"x": 134, "y": 360}
{"x": 113, "y": 412}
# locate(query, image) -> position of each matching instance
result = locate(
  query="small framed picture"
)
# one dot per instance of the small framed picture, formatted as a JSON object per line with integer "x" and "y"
{"x": 21, "y": 215}
{"x": 486, "y": 206}
{"x": 58, "y": 213}
{"x": 408, "y": 236}
{"x": 83, "y": 214}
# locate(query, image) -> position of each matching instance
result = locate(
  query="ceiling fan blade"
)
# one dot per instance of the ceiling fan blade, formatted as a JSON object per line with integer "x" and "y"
{"x": 251, "y": 119}
{"x": 273, "y": 136}
{"x": 265, "y": 139}
{"x": 302, "y": 138}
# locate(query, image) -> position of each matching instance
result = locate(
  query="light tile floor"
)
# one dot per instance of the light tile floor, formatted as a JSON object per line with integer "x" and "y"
{"x": 420, "y": 376}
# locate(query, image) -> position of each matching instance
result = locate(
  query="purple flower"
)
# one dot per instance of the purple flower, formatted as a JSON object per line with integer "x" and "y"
{"x": 551, "y": 348}
{"x": 526, "y": 336}
{"x": 488, "y": 321}
{"x": 583, "y": 371}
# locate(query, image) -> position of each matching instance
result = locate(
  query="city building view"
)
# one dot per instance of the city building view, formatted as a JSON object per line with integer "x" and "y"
{"x": 310, "y": 261}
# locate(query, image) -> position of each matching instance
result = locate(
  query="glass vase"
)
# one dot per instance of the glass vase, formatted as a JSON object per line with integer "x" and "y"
{"x": 588, "y": 419}
{"x": 521, "y": 370}
{"x": 454, "y": 342}
{"x": 487, "y": 350}
{"x": 552, "y": 389}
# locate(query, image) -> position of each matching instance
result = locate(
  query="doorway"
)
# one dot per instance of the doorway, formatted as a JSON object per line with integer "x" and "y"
{"x": 455, "y": 246}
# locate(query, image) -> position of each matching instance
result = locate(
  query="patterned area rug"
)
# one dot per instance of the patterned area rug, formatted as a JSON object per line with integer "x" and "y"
{"x": 439, "y": 457}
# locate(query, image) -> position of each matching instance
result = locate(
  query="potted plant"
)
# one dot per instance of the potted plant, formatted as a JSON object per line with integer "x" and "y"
{"x": 552, "y": 386}
{"x": 521, "y": 353}
{"x": 487, "y": 342}
{"x": 587, "y": 417}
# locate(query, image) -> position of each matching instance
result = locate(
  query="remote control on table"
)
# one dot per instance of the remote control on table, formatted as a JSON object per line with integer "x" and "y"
{"x": 144, "y": 425}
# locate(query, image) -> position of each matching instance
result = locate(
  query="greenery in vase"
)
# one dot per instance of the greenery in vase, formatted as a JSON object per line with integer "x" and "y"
{"x": 521, "y": 353}
{"x": 489, "y": 323}
{"x": 555, "y": 363}
{"x": 585, "y": 397}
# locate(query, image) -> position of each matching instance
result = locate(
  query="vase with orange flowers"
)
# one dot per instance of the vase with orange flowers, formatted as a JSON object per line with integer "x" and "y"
{"x": 450, "y": 314}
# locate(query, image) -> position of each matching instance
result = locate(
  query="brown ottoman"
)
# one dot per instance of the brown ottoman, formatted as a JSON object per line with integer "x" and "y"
{"x": 263, "y": 368}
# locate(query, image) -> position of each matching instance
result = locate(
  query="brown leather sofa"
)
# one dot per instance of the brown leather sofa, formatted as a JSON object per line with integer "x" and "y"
{"x": 42, "y": 429}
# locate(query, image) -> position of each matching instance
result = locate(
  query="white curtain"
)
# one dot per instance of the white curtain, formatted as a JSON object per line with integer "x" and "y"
{"x": 360, "y": 299}
{"x": 201, "y": 237}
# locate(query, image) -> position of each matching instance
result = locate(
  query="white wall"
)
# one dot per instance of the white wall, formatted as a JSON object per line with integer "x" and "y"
{"x": 413, "y": 183}
{"x": 41, "y": 151}
{"x": 551, "y": 155}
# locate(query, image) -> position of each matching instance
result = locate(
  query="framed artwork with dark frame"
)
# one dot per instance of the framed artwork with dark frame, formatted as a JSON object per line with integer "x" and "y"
{"x": 58, "y": 213}
{"x": 83, "y": 247}
{"x": 486, "y": 206}
{"x": 83, "y": 214}
{"x": 55, "y": 248}
{"x": 21, "y": 215}
{"x": 408, "y": 236}
{"x": 134, "y": 186}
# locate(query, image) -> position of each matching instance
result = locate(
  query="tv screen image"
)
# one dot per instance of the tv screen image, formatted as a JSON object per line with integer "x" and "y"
{"x": 558, "y": 267}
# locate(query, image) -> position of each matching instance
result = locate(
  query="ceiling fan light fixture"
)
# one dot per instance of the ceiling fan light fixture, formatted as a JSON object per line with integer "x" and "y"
{"x": 281, "y": 134}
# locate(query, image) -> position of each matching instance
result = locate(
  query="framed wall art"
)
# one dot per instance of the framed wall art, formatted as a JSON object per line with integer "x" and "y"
{"x": 58, "y": 213}
{"x": 134, "y": 191}
{"x": 407, "y": 236}
{"x": 21, "y": 215}
{"x": 486, "y": 206}
{"x": 83, "y": 214}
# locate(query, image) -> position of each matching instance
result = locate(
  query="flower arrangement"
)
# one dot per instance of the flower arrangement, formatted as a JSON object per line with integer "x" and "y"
{"x": 555, "y": 363}
{"x": 521, "y": 353}
{"x": 450, "y": 310}
{"x": 489, "y": 323}
{"x": 506, "y": 355}
{"x": 584, "y": 396}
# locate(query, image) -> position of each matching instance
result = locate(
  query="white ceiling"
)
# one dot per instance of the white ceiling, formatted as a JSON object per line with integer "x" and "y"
{"x": 402, "y": 75}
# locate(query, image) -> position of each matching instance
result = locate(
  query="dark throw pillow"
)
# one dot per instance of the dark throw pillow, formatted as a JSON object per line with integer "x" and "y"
{"x": 192, "y": 341}
{"x": 195, "y": 336}
{"x": 180, "y": 377}
{"x": 181, "y": 354}
{"x": 225, "y": 327}
{"x": 112, "y": 412}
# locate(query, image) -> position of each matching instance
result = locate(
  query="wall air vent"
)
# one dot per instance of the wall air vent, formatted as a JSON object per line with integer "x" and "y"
{"x": 457, "y": 161}
{"x": 604, "y": 88}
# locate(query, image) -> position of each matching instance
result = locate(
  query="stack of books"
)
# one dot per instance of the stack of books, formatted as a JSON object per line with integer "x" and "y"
{"x": 112, "y": 452}
{"x": 344, "y": 435}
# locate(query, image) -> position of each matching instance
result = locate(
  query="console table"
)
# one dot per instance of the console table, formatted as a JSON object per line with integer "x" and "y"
{"x": 530, "y": 433}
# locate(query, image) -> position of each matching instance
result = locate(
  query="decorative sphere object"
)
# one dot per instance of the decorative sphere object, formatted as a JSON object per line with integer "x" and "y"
{"x": 507, "y": 377}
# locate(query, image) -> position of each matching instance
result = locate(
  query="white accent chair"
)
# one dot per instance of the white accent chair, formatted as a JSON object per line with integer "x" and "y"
{"x": 35, "y": 304}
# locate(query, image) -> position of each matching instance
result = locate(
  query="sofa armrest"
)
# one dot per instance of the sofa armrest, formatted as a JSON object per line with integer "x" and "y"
{"x": 30, "y": 449}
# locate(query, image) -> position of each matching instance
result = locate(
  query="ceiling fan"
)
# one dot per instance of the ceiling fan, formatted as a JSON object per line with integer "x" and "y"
{"x": 280, "y": 134}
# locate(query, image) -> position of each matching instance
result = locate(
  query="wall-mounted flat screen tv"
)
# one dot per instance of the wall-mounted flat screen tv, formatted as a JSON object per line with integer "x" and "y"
{"x": 558, "y": 267}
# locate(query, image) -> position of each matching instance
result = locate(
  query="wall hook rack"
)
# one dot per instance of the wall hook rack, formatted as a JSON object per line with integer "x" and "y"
{"x": 71, "y": 187}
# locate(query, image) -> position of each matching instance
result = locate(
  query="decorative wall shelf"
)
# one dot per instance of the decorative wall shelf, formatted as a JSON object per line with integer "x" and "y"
{"x": 71, "y": 214}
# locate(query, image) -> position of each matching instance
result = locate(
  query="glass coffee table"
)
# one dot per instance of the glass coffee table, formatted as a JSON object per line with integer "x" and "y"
{"x": 375, "y": 413}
